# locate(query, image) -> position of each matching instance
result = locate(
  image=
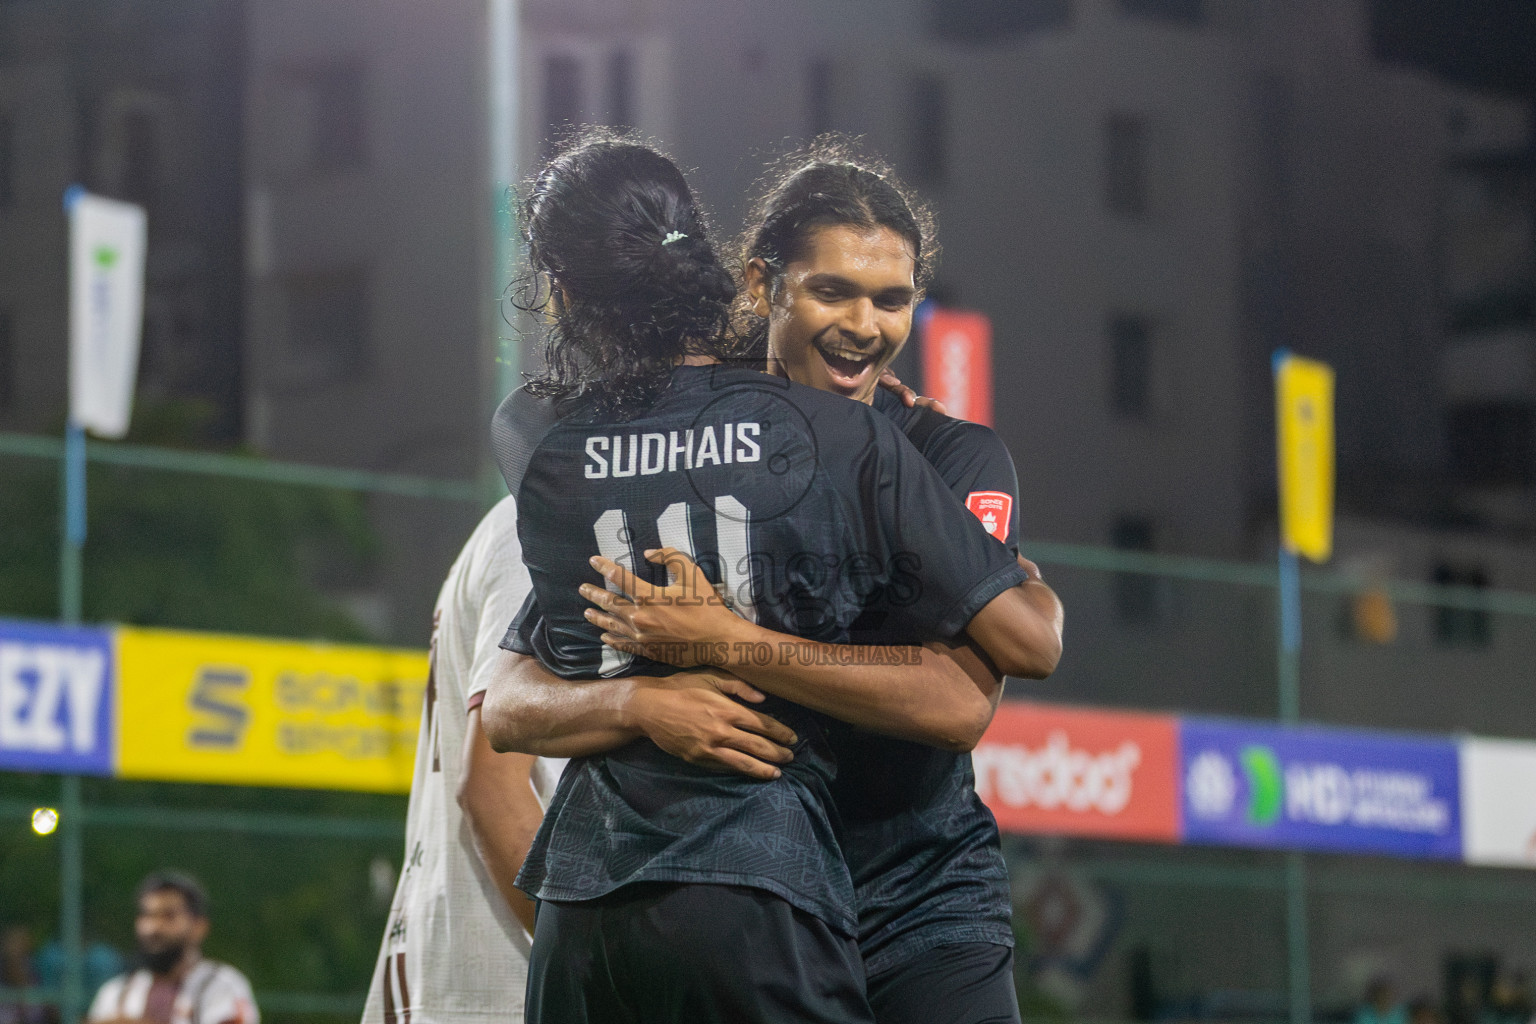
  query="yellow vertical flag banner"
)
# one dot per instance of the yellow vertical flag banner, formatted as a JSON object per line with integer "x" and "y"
{"x": 200, "y": 707}
{"x": 1304, "y": 427}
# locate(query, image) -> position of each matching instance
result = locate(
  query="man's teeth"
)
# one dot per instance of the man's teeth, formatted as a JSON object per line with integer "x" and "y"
{"x": 847, "y": 363}
{"x": 850, "y": 357}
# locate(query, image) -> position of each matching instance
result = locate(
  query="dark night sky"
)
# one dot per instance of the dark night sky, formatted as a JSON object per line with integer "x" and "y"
{"x": 1487, "y": 43}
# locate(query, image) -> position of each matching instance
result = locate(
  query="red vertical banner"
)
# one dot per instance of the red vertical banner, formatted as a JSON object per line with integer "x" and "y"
{"x": 957, "y": 362}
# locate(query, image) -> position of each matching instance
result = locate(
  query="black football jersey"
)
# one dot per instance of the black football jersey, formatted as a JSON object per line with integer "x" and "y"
{"x": 806, "y": 509}
{"x": 922, "y": 848}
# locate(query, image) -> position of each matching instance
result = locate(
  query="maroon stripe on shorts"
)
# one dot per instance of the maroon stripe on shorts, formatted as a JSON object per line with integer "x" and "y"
{"x": 405, "y": 990}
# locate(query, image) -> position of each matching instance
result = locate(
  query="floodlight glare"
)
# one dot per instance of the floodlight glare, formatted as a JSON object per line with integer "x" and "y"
{"x": 45, "y": 820}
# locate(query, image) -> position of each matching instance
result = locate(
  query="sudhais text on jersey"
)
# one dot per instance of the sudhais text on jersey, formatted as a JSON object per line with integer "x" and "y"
{"x": 621, "y": 455}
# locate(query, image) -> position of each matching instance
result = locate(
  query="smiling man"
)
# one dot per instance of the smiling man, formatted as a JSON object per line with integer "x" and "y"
{"x": 830, "y": 290}
{"x": 840, "y": 312}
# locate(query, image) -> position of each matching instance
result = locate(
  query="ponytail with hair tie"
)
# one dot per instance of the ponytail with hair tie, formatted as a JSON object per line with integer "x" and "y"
{"x": 631, "y": 308}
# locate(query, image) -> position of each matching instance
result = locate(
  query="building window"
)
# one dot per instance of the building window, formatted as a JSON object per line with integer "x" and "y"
{"x": 1125, "y": 165}
{"x": 1461, "y": 627}
{"x": 1138, "y": 595}
{"x": 928, "y": 132}
{"x": 562, "y": 98}
{"x": 621, "y": 88}
{"x": 1130, "y": 367}
{"x": 7, "y": 362}
{"x": 7, "y": 161}
{"x": 340, "y": 139}
{"x": 990, "y": 21}
{"x": 320, "y": 118}
{"x": 1492, "y": 444}
{"x": 818, "y": 96}
{"x": 141, "y": 169}
{"x": 1187, "y": 12}
{"x": 327, "y": 319}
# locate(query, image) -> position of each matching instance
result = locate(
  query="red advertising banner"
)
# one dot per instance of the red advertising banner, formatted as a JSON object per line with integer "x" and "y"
{"x": 1074, "y": 772}
{"x": 957, "y": 362}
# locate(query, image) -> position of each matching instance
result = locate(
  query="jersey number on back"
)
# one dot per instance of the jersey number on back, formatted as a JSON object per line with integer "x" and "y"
{"x": 615, "y": 541}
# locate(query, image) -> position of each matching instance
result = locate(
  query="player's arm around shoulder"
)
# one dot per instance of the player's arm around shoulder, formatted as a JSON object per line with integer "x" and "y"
{"x": 1021, "y": 628}
{"x": 696, "y": 716}
{"x": 939, "y": 694}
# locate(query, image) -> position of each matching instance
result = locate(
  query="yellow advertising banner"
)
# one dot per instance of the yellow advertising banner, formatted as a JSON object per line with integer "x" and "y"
{"x": 1304, "y": 428}
{"x": 202, "y": 707}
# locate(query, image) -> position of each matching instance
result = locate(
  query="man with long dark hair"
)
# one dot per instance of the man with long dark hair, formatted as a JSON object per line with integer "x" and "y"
{"x": 826, "y": 303}
{"x": 781, "y": 481}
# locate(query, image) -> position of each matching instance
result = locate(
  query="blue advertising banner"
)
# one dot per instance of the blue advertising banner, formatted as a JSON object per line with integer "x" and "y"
{"x": 56, "y": 693}
{"x": 1319, "y": 789}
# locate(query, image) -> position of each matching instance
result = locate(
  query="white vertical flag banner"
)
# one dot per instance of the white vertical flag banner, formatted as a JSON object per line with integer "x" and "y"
{"x": 106, "y": 309}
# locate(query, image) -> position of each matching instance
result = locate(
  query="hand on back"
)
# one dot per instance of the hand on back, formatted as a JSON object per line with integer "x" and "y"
{"x": 697, "y": 716}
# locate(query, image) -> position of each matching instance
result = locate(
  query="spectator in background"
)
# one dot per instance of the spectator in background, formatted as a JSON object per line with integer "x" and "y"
{"x": 1510, "y": 1000}
{"x": 1424, "y": 1010}
{"x": 16, "y": 972}
{"x": 1381, "y": 1005}
{"x": 176, "y": 984}
{"x": 101, "y": 963}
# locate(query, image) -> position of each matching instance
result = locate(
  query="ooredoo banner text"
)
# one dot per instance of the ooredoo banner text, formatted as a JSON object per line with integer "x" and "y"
{"x": 1081, "y": 772}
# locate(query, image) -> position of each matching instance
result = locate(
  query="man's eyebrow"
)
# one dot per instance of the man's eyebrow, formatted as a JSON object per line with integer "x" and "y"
{"x": 826, "y": 279}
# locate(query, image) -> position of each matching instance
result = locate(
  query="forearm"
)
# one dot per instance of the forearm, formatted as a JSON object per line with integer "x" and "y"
{"x": 531, "y": 710}
{"x": 503, "y": 831}
{"x": 1021, "y": 628}
{"x": 928, "y": 694}
{"x": 497, "y": 798}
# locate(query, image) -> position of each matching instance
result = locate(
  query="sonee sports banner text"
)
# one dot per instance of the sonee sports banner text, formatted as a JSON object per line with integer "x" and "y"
{"x": 200, "y": 707}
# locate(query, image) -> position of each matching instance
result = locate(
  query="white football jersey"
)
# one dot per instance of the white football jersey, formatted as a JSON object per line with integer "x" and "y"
{"x": 453, "y": 952}
{"x": 211, "y": 993}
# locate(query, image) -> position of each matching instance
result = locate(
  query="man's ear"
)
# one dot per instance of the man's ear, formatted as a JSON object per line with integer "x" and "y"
{"x": 759, "y": 285}
{"x": 199, "y": 930}
{"x": 559, "y": 298}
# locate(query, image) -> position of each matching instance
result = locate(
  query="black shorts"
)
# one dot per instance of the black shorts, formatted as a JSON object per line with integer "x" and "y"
{"x": 693, "y": 954}
{"x": 967, "y": 983}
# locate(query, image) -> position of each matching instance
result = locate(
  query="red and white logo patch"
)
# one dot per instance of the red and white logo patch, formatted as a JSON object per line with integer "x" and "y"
{"x": 994, "y": 509}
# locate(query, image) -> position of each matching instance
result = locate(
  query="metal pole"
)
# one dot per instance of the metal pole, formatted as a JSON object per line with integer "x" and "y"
{"x": 71, "y": 904}
{"x": 501, "y": 131}
{"x": 1290, "y": 637}
{"x": 1299, "y": 986}
{"x": 72, "y": 524}
{"x": 71, "y": 881}
{"x": 1296, "y": 938}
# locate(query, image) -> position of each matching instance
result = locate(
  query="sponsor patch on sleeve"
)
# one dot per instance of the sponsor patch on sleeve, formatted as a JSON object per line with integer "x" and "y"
{"x": 994, "y": 509}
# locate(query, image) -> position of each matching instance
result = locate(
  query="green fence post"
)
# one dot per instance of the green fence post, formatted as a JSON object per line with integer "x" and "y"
{"x": 71, "y": 541}
{"x": 71, "y": 909}
{"x": 1289, "y": 647}
{"x": 1296, "y": 939}
{"x": 1288, "y": 654}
